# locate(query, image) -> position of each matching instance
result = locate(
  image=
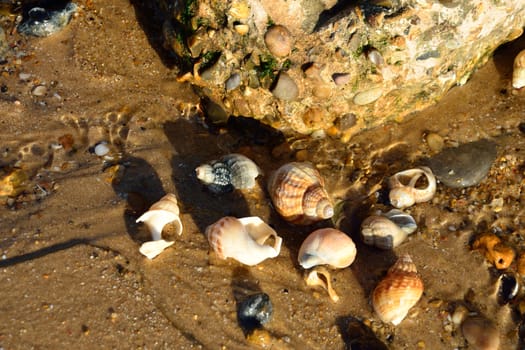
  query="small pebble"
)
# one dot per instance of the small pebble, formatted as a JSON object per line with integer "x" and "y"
{"x": 278, "y": 40}
{"x": 233, "y": 81}
{"x": 254, "y": 311}
{"x": 101, "y": 149}
{"x": 459, "y": 315}
{"x": 39, "y": 90}
{"x": 24, "y": 76}
{"x": 435, "y": 142}
{"x": 480, "y": 333}
{"x": 341, "y": 78}
{"x": 368, "y": 96}
{"x": 465, "y": 165}
{"x": 285, "y": 88}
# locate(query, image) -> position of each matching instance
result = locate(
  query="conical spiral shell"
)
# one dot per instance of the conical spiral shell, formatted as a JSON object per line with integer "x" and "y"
{"x": 161, "y": 213}
{"x": 327, "y": 246}
{"x": 243, "y": 239}
{"x": 298, "y": 194}
{"x": 398, "y": 291}
{"x": 231, "y": 171}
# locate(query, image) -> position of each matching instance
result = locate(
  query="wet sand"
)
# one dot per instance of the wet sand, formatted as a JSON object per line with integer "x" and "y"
{"x": 71, "y": 273}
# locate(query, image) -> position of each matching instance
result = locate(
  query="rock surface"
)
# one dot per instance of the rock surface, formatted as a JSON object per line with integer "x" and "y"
{"x": 395, "y": 56}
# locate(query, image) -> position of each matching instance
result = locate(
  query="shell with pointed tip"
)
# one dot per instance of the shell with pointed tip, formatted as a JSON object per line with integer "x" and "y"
{"x": 327, "y": 246}
{"x": 243, "y": 239}
{"x": 398, "y": 291}
{"x": 161, "y": 213}
{"x": 231, "y": 171}
{"x": 298, "y": 194}
{"x": 388, "y": 230}
{"x": 403, "y": 190}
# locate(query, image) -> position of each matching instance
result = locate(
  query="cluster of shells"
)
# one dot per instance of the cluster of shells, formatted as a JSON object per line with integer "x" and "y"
{"x": 333, "y": 66}
{"x": 298, "y": 194}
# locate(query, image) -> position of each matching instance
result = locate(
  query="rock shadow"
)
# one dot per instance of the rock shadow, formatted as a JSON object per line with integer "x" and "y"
{"x": 151, "y": 19}
{"x": 504, "y": 57}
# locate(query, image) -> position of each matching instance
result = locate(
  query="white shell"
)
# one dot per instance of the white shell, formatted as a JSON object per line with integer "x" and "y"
{"x": 160, "y": 214}
{"x": 403, "y": 190}
{"x": 388, "y": 230}
{"x": 243, "y": 239}
{"x": 518, "y": 74}
{"x": 153, "y": 248}
{"x": 321, "y": 277}
{"x": 327, "y": 246}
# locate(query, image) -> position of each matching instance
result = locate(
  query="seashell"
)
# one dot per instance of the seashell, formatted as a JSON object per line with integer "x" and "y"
{"x": 398, "y": 291}
{"x": 381, "y": 232}
{"x": 496, "y": 252}
{"x": 231, "y": 171}
{"x": 41, "y": 22}
{"x": 327, "y": 246}
{"x": 405, "y": 221}
{"x": 278, "y": 40}
{"x": 320, "y": 276}
{"x": 153, "y": 248}
{"x": 160, "y": 214}
{"x": 480, "y": 333}
{"x": 507, "y": 288}
{"x": 243, "y": 239}
{"x": 518, "y": 74}
{"x": 403, "y": 190}
{"x": 298, "y": 194}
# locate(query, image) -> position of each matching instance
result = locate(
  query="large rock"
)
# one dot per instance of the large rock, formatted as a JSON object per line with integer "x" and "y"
{"x": 349, "y": 66}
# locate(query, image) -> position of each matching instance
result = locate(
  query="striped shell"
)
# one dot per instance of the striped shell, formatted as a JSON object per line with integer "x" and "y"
{"x": 243, "y": 239}
{"x": 298, "y": 194}
{"x": 398, "y": 291}
{"x": 388, "y": 230}
{"x": 327, "y": 246}
{"x": 231, "y": 171}
{"x": 403, "y": 190}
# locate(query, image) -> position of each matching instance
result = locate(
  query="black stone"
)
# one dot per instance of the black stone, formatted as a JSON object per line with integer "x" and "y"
{"x": 254, "y": 311}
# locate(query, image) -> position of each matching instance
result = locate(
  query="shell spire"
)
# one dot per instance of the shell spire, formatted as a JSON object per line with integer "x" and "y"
{"x": 398, "y": 291}
{"x": 298, "y": 194}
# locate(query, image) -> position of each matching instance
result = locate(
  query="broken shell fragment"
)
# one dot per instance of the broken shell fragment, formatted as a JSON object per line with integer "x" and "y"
{"x": 327, "y": 246}
{"x": 496, "y": 252}
{"x": 298, "y": 194}
{"x": 480, "y": 333}
{"x": 243, "y": 239}
{"x": 320, "y": 276}
{"x": 231, "y": 171}
{"x": 153, "y": 248}
{"x": 403, "y": 190}
{"x": 518, "y": 74}
{"x": 398, "y": 291}
{"x": 161, "y": 213}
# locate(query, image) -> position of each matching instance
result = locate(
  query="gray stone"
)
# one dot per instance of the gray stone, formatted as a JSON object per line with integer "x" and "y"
{"x": 465, "y": 165}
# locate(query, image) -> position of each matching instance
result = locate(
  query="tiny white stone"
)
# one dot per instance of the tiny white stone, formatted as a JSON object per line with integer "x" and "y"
{"x": 24, "y": 76}
{"x": 39, "y": 90}
{"x": 101, "y": 149}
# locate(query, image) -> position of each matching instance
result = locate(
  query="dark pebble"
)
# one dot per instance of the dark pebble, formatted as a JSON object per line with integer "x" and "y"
{"x": 465, "y": 165}
{"x": 254, "y": 311}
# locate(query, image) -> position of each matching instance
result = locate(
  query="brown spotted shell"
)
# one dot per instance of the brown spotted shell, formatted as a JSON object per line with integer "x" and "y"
{"x": 298, "y": 194}
{"x": 398, "y": 291}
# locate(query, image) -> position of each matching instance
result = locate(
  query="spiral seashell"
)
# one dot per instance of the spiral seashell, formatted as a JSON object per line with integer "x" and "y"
{"x": 231, "y": 171}
{"x": 403, "y": 190}
{"x": 327, "y": 246}
{"x": 243, "y": 239}
{"x": 160, "y": 214}
{"x": 387, "y": 231}
{"x": 398, "y": 291}
{"x": 298, "y": 194}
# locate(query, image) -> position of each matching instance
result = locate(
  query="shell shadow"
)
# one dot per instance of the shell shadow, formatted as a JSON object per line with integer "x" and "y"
{"x": 140, "y": 185}
{"x": 358, "y": 336}
{"x": 504, "y": 57}
{"x": 194, "y": 146}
